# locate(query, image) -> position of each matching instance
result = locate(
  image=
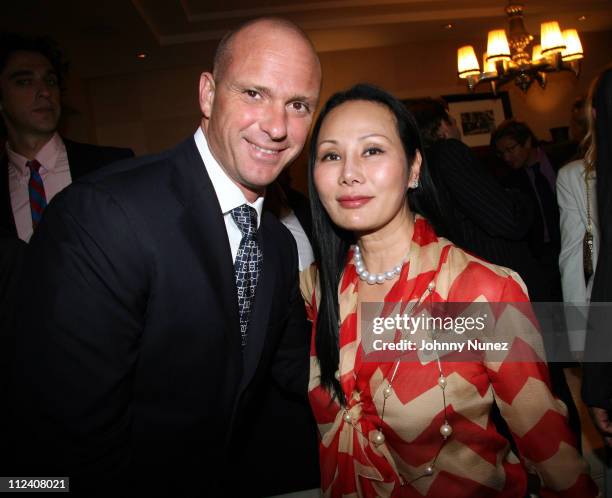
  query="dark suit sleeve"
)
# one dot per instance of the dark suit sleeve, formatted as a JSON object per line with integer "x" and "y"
{"x": 12, "y": 252}
{"x": 499, "y": 212}
{"x": 124, "y": 154}
{"x": 96, "y": 157}
{"x": 86, "y": 158}
{"x": 82, "y": 315}
{"x": 291, "y": 364}
{"x": 300, "y": 205}
{"x": 596, "y": 384}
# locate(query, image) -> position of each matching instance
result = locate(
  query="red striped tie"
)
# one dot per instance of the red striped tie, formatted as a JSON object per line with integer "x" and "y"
{"x": 36, "y": 189}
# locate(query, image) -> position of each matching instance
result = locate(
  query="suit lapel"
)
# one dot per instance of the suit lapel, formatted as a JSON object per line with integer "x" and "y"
{"x": 204, "y": 225}
{"x": 76, "y": 160}
{"x": 7, "y": 220}
{"x": 83, "y": 158}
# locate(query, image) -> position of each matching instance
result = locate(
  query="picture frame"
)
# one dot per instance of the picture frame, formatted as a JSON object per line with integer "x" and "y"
{"x": 478, "y": 114}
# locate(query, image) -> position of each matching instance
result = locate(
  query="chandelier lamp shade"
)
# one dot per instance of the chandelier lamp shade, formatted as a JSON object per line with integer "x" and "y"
{"x": 514, "y": 55}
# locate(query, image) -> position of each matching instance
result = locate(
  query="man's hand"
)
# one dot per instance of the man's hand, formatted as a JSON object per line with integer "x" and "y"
{"x": 602, "y": 422}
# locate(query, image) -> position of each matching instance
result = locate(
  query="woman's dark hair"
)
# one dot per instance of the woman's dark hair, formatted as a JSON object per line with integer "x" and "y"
{"x": 331, "y": 243}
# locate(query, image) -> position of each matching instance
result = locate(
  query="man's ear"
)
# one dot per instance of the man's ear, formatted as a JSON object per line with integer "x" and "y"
{"x": 207, "y": 93}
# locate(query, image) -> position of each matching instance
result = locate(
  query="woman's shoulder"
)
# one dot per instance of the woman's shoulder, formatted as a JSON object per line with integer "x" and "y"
{"x": 571, "y": 171}
{"x": 459, "y": 256}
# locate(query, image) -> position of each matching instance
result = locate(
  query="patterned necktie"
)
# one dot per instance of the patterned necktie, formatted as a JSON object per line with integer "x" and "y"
{"x": 247, "y": 265}
{"x": 36, "y": 190}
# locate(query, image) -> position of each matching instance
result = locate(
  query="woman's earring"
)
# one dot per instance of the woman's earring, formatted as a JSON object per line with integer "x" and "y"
{"x": 414, "y": 184}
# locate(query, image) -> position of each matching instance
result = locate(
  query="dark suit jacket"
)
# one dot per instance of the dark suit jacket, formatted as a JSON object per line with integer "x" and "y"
{"x": 82, "y": 159}
{"x": 546, "y": 253}
{"x": 298, "y": 202}
{"x": 11, "y": 258}
{"x": 132, "y": 371}
{"x": 519, "y": 179}
{"x": 12, "y": 252}
{"x": 481, "y": 216}
{"x": 281, "y": 421}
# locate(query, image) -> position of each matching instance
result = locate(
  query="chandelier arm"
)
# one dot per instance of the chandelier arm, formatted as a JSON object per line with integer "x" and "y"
{"x": 515, "y": 63}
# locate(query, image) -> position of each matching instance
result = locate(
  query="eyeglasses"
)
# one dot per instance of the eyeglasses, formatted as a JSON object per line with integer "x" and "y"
{"x": 508, "y": 150}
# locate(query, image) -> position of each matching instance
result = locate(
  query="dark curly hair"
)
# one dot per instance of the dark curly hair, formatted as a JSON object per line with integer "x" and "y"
{"x": 516, "y": 130}
{"x": 44, "y": 45}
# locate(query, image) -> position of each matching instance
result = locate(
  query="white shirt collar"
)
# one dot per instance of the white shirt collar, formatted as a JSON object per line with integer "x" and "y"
{"x": 228, "y": 193}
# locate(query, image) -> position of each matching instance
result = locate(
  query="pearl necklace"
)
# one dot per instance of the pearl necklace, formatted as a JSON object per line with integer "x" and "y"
{"x": 374, "y": 278}
{"x": 378, "y": 437}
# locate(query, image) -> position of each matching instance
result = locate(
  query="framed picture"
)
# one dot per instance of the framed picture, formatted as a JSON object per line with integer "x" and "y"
{"x": 478, "y": 114}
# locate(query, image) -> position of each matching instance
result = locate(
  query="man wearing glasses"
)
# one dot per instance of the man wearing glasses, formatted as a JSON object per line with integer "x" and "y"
{"x": 533, "y": 174}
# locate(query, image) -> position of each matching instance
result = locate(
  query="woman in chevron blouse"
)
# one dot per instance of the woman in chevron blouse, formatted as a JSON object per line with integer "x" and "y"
{"x": 410, "y": 423}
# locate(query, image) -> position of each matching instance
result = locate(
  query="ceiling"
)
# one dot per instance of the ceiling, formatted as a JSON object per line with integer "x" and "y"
{"x": 104, "y": 37}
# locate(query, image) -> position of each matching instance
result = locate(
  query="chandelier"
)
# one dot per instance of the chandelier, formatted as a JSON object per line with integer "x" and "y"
{"x": 508, "y": 57}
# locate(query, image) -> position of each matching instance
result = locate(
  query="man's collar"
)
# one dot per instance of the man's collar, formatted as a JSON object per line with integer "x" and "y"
{"x": 228, "y": 193}
{"x": 46, "y": 156}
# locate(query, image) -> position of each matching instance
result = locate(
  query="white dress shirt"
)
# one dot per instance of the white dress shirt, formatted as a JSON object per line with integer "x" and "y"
{"x": 55, "y": 174}
{"x": 305, "y": 252}
{"x": 228, "y": 193}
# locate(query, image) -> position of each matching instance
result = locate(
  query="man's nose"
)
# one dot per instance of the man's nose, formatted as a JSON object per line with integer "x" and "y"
{"x": 43, "y": 87}
{"x": 274, "y": 122}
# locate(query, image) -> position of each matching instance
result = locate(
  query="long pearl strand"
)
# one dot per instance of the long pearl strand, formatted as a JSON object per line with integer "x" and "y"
{"x": 374, "y": 278}
{"x": 378, "y": 437}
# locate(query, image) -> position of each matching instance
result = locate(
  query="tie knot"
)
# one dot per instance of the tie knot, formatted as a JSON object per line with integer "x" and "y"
{"x": 246, "y": 218}
{"x": 33, "y": 165}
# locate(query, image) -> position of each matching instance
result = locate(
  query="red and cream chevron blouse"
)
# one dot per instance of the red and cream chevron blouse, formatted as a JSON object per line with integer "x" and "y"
{"x": 475, "y": 461}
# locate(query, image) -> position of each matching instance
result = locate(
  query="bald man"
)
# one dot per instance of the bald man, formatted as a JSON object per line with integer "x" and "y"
{"x": 165, "y": 295}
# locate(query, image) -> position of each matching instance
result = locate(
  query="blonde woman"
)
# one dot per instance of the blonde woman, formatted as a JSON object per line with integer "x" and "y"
{"x": 577, "y": 199}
